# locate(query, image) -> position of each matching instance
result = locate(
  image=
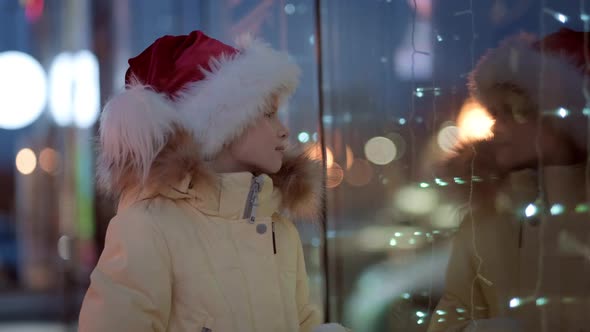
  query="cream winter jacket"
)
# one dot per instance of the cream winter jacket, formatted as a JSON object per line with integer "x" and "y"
{"x": 214, "y": 255}
{"x": 534, "y": 273}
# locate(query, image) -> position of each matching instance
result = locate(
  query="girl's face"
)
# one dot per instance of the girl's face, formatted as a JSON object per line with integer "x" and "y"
{"x": 517, "y": 134}
{"x": 261, "y": 147}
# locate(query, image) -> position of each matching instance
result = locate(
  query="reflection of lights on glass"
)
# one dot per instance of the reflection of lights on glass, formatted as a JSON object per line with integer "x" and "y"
{"x": 441, "y": 182}
{"x": 417, "y": 233}
{"x": 582, "y": 208}
{"x": 400, "y": 144}
{"x": 420, "y": 314}
{"x": 335, "y": 175}
{"x": 562, "y": 112}
{"x": 397, "y": 234}
{"x": 416, "y": 201}
{"x": 441, "y": 312}
{"x": 402, "y": 121}
{"x": 393, "y": 242}
{"x": 541, "y": 301}
{"x": 316, "y": 242}
{"x": 439, "y": 38}
{"x": 459, "y": 180}
{"x": 440, "y": 320}
{"x": 557, "y": 209}
{"x": 303, "y": 137}
{"x": 49, "y": 160}
{"x": 448, "y": 138}
{"x": 420, "y": 321}
{"x": 349, "y": 157}
{"x": 314, "y": 137}
{"x": 530, "y": 210}
{"x": 586, "y": 111}
{"x": 446, "y": 216}
{"x": 24, "y": 90}
{"x": 406, "y": 296}
{"x": 584, "y": 17}
{"x": 412, "y": 241}
{"x": 514, "y": 302}
{"x": 316, "y": 153}
{"x": 360, "y": 173}
{"x": 460, "y": 310}
{"x": 289, "y": 9}
{"x": 474, "y": 123}
{"x": 424, "y": 185}
{"x": 26, "y": 161}
{"x": 568, "y": 299}
{"x": 380, "y": 150}
{"x": 312, "y": 40}
{"x": 419, "y": 94}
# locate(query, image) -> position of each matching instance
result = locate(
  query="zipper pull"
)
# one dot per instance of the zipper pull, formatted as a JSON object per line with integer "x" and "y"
{"x": 252, "y": 200}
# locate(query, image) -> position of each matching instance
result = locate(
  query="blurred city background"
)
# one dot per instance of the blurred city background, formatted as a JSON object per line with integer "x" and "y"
{"x": 383, "y": 91}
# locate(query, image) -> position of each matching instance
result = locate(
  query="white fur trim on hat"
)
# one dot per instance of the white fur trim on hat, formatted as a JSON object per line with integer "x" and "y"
{"x": 234, "y": 93}
{"x": 550, "y": 80}
{"x": 134, "y": 127}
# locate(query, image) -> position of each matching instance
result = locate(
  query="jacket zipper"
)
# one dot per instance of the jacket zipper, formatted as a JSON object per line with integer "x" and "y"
{"x": 252, "y": 201}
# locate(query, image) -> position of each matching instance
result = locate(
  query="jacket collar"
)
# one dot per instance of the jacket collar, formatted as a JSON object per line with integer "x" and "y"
{"x": 178, "y": 173}
{"x": 233, "y": 193}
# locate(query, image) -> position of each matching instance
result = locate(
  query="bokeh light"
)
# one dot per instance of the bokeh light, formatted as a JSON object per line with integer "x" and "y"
{"x": 400, "y": 144}
{"x": 416, "y": 201}
{"x": 74, "y": 89}
{"x": 447, "y": 216}
{"x": 24, "y": 90}
{"x": 448, "y": 138}
{"x": 360, "y": 173}
{"x": 474, "y": 122}
{"x": 380, "y": 150}
{"x": 49, "y": 160}
{"x": 303, "y": 137}
{"x": 349, "y": 157}
{"x": 334, "y": 176}
{"x": 26, "y": 161}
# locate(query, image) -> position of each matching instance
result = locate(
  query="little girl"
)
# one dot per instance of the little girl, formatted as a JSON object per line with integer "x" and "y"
{"x": 196, "y": 155}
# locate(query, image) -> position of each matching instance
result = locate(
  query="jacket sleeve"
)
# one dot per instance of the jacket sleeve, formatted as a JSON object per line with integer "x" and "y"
{"x": 453, "y": 312}
{"x": 309, "y": 315}
{"x": 130, "y": 288}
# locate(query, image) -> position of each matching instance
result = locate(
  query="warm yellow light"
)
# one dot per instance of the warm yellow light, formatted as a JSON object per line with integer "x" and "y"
{"x": 26, "y": 161}
{"x": 316, "y": 153}
{"x": 474, "y": 122}
{"x": 349, "y": 157}
{"x": 334, "y": 176}
{"x": 49, "y": 160}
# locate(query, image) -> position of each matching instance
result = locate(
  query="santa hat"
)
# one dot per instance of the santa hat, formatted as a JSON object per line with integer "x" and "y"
{"x": 188, "y": 86}
{"x": 549, "y": 72}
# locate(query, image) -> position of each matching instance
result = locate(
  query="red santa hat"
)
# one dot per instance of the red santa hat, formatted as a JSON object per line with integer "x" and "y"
{"x": 549, "y": 72}
{"x": 208, "y": 89}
